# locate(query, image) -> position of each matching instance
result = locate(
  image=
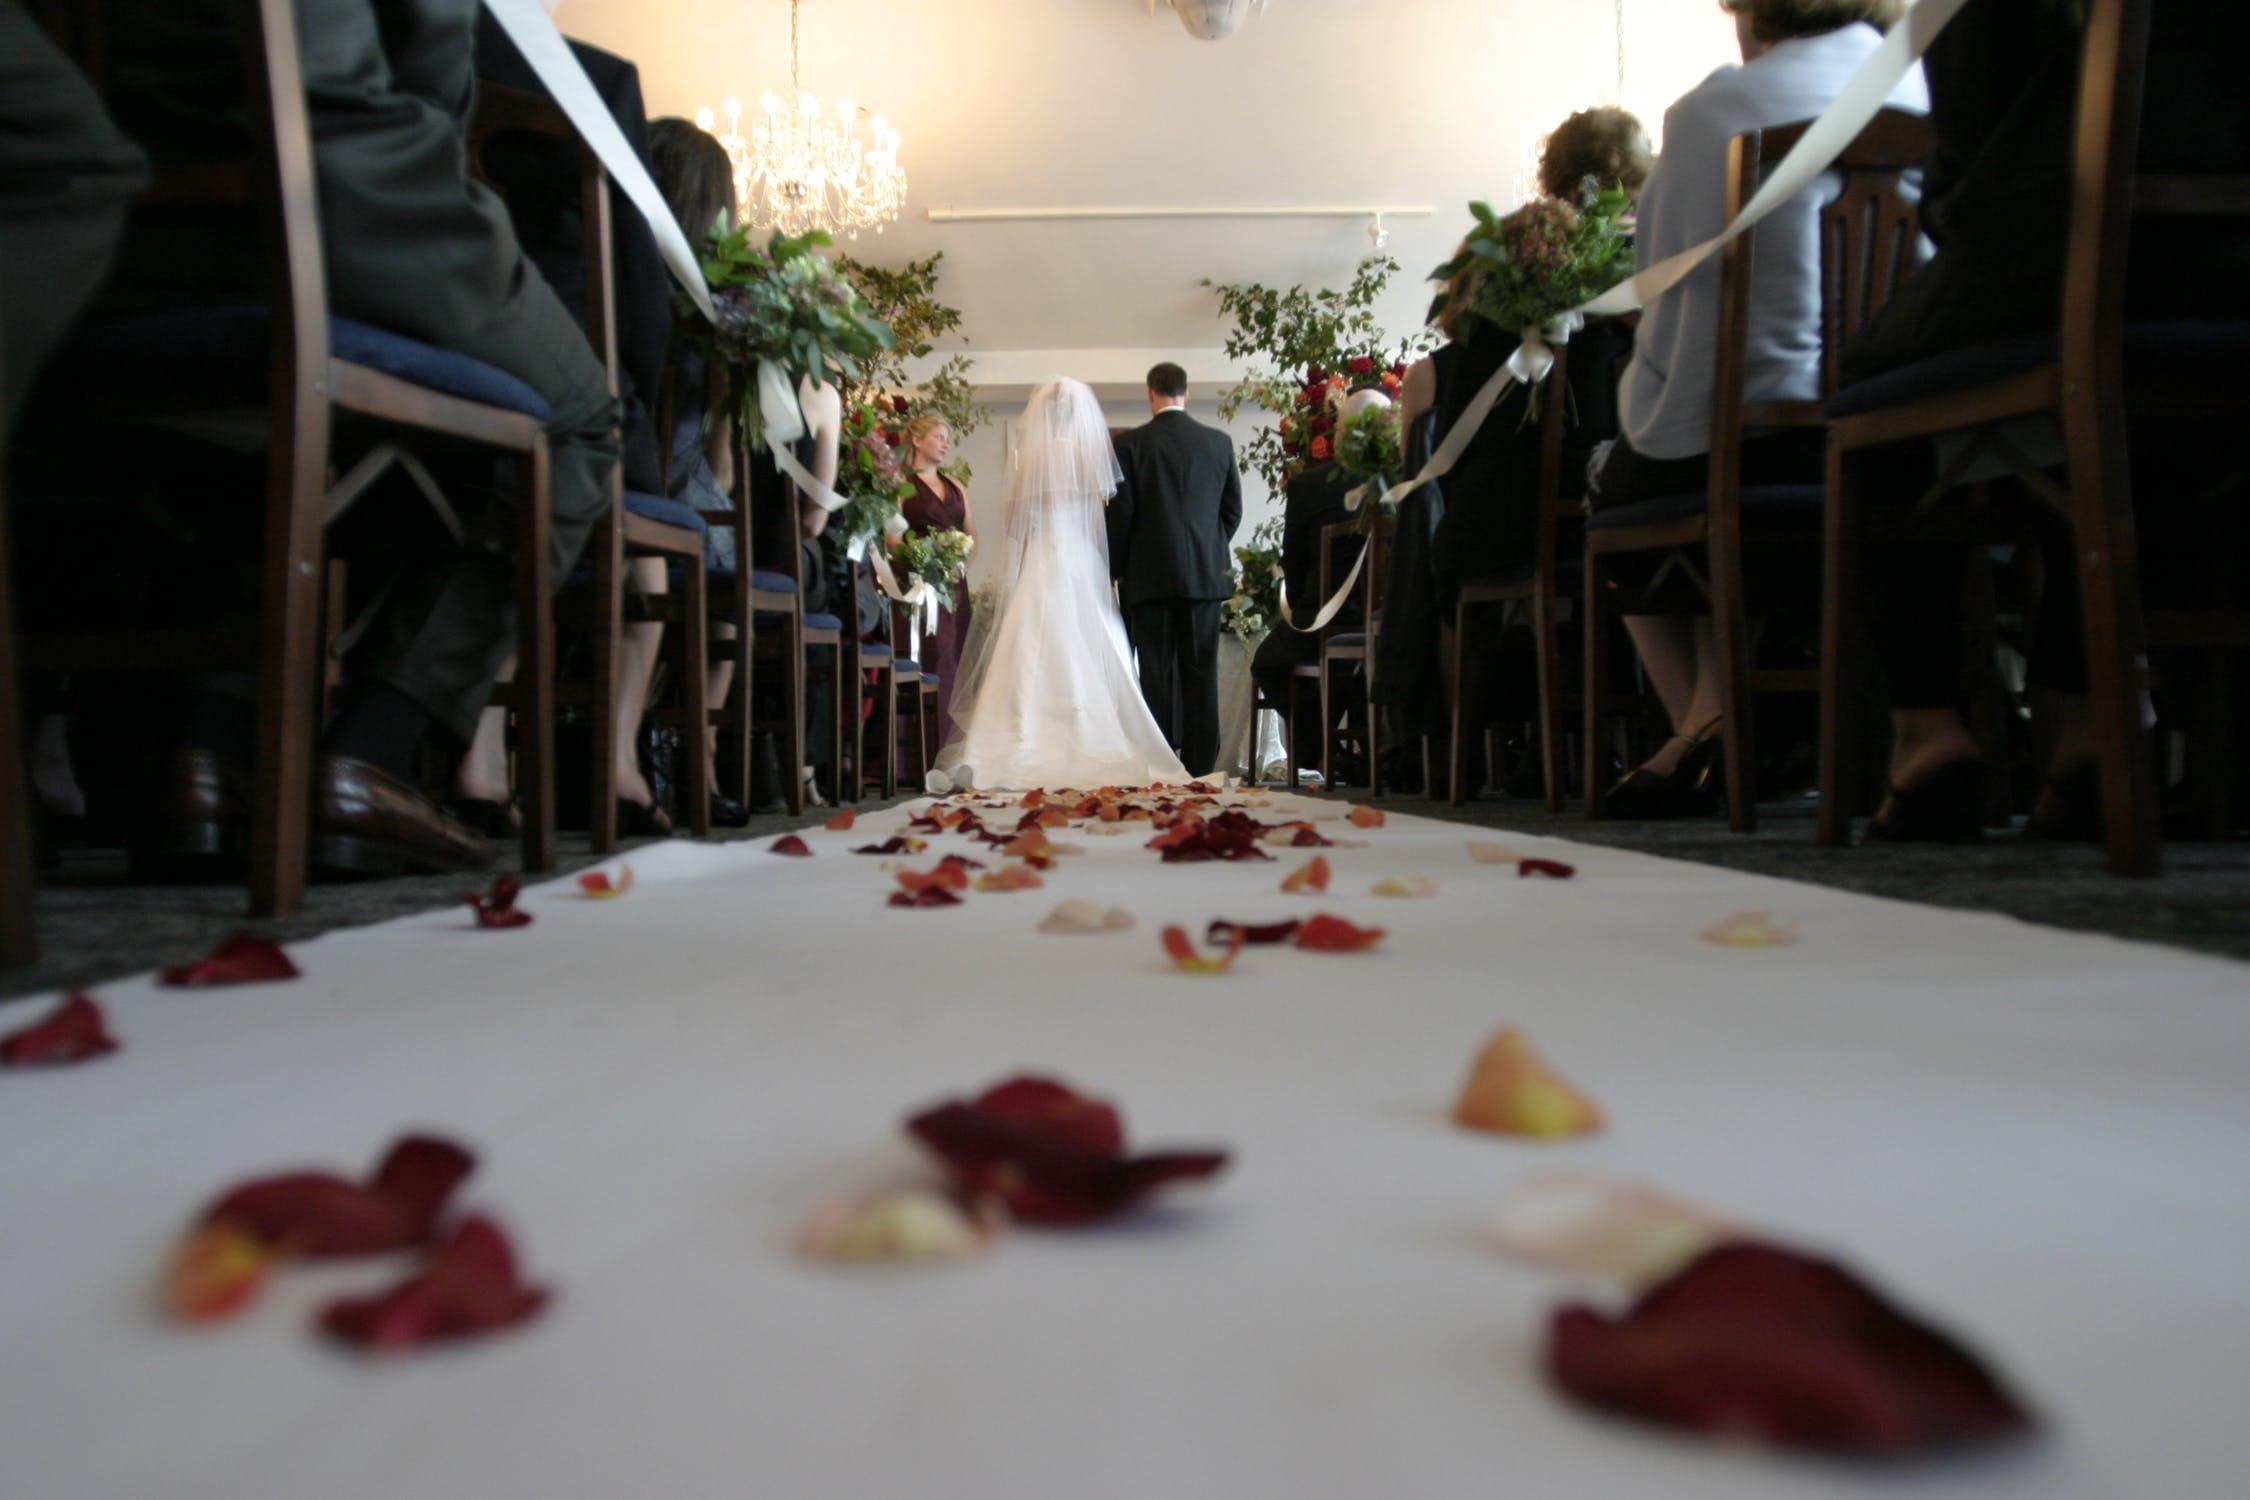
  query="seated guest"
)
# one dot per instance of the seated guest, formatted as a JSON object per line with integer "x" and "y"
{"x": 1312, "y": 500}
{"x": 414, "y": 245}
{"x": 2003, "y": 85}
{"x": 1796, "y": 56}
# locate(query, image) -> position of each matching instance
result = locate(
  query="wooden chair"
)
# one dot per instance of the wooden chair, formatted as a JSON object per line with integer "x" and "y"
{"x": 328, "y": 390}
{"x": 1536, "y": 590}
{"x": 633, "y": 526}
{"x": 19, "y": 925}
{"x": 1343, "y": 650}
{"x": 2087, "y": 375}
{"x": 881, "y": 660}
{"x": 1731, "y": 524}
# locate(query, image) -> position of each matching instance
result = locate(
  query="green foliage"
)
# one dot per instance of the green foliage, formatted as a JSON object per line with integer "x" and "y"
{"x": 782, "y": 301}
{"x": 1542, "y": 260}
{"x": 870, "y": 480}
{"x": 907, "y": 300}
{"x": 937, "y": 558}
{"x": 1368, "y": 445}
{"x": 1255, "y": 607}
{"x": 1304, "y": 338}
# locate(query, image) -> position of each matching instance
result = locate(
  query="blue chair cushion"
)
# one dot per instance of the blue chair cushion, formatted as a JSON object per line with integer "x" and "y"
{"x": 903, "y": 665}
{"x": 819, "y": 621}
{"x": 765, "y": 580}
{"x": 2178, "y": 343}
{"x": 873, "y": 653}
{"x": 670, "y": 512}
{"x": 236, "y": 337}
{"x": 1768, "y": 502}
{"x": 1352, "y": 638}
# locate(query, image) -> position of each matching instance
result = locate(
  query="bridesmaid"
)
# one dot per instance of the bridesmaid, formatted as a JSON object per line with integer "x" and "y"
{"x": 939, "y": 504}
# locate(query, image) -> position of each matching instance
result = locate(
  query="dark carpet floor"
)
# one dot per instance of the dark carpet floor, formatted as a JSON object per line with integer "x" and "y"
{"x": 95, "y": 924}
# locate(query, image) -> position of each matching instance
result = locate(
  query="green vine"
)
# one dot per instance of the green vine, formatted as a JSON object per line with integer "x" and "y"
{"x": 907, "y": 300}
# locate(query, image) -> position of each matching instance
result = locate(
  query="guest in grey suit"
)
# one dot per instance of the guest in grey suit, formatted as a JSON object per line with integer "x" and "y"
{"x": 1171, "y": 527}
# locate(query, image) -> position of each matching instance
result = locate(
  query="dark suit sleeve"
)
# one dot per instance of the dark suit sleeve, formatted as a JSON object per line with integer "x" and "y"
{"x": 1120, "y": 511}
{"x": 1230, "y": 498}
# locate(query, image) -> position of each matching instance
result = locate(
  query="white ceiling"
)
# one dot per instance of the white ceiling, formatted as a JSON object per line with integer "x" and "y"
{"x": 1039, "y": 103}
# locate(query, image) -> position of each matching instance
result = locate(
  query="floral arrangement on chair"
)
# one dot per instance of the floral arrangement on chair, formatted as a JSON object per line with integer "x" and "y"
{"x": 1368, "y": 448}
{"x": 937, "y": 558}
{"x": 783, "y": 304}
{"x": 1255, "y": 606}
{"x": 870, "y": 479}
{"x": 1526, "y": 270}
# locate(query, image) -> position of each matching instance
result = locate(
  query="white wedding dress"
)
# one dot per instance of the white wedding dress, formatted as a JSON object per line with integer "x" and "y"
{"x": 1047, "y": 696}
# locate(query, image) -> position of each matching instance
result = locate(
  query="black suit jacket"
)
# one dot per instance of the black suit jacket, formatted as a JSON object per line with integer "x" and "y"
{"x": 539, "y": 178}
{"x": 1172, "y": 522}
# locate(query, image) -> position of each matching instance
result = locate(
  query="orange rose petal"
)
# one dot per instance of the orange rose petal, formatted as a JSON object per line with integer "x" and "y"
{"x": 599, "y": 885}
{"x": 1313, "y": 875}
{"x": 215, "y": 1273}
{"x": 1367, "y": 817}
{"x": 1187, "y": 960}
{"x": 1512, "y": 1091}
{"x": 1323, "y": 933}
{"x": 1493, "y": 854}
{"x": 843, "y": 821}
{"x": 1011, "y": 878}
{"x": 1749, "y": 929}
{"x": 1030, "y": 841}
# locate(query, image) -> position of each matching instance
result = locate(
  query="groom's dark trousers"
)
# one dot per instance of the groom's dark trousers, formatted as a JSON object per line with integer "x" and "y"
{"x": 1171, "y": 525}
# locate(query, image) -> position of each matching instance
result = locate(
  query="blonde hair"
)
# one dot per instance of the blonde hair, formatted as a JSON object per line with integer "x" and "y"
{"x": 1606, "y": 144}
{"x": 1779, "y": 20}
{"x": 920, "y": 428}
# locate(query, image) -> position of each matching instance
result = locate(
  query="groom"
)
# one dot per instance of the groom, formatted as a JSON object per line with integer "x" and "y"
{"x": 1170, "y": 528}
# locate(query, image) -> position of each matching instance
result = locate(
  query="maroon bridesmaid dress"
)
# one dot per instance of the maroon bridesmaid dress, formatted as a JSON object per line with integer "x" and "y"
{"x": 945, "y": 508}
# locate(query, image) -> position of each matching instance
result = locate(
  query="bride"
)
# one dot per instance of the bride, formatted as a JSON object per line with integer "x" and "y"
{"x": 1047, "y": 695}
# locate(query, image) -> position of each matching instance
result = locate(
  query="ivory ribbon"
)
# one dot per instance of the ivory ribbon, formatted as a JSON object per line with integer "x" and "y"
{"x": 919, "y": 596}
{"x": 533, "y": 31}
{"x": 1859, "y": 101}
{"x": 783, "y": 422}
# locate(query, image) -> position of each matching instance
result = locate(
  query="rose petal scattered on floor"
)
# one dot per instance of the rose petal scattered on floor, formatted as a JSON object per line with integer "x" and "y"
{"x": 1597, "y": 1226}
{"x": 1312, "y": 875}
{"x": 1552, "y": 869}
{"x": 1086, "y": 916}
{"x": 791, "y": 845}
{"x": 1510, "y": 1090}
{"x": 244, "y": 958}
{"x": 1493, "y": 854}
{"x": 1754, "y": 1341}
{"x": 843, "y": 821}
{"x": 907, "y": 1225}
{"x": 72, "y": 1032}
{"x": 599, "y": 885}
{"x": 1410, "y": 886}
{"x": 1367, "y": 817}
{"x": 471, "y": 1287}
{"x": 497, "y": 908}
{"x": 1187, "y": 960}
{"x": 1749, "y": 929}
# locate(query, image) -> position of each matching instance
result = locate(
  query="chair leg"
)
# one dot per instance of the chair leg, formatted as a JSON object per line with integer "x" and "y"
{"x": 1730, "y": 624}
{"x": 1457, "y": 791}
{"x": 695, "y": 654}
{"x": 1374, "y": 730}
{"x": 1289, "y": 730}
{"x": 793, "y": 710}
{"x": 601, "y": 688}
{"x": 535, "y": 671}
{"x": 1839, "y": 608}
{"x": 1597, "y": 681}
{"x": 288, "y": 670}
{"x": 890, "y": 733}
{"x": 2109, "y": 592}
{"x": 19, "y": 928}
{"x": 1550, "y": 715}
{"x": 1327, "y": 729}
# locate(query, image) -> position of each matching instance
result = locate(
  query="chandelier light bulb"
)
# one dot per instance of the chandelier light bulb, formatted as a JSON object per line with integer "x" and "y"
{"x": 703, "y": 120}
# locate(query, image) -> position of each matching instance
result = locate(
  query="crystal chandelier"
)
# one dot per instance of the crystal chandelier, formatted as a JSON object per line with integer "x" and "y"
{"x": 799, "y": 170}
{"x": 1213, "y": 20}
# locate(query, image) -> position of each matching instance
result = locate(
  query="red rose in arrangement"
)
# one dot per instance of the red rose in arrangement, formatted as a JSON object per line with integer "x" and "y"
{"x": 901, "y": 405}
{"x": 1752, "y": 1340}
{"x": 1322, "y": 449}
{"x": 1315, "y": 375}
{"x": 1050, "y": 1153}
{"x": 1361, "y": 365}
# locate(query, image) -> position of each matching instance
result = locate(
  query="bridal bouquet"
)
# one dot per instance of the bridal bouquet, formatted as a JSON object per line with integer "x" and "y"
{"x": 870, "y": 479}
{"x": 937, "y": 558}
{"x": 1255, "y": 607}
{"x": 1529, "y": 268}
{"x": 782, "y": 303}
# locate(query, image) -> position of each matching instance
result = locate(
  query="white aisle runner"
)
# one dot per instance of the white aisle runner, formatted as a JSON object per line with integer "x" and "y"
{"x": 2033, "y": 1138}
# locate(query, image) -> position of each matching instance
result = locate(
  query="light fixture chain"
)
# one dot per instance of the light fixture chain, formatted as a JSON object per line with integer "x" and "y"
{"x": 1620, "y": 8}
{"x": 793, "y": 83}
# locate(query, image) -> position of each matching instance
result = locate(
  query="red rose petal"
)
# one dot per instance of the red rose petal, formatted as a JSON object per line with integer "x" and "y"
{"x": 318, "y": 1214}
{"x": 1045, "y": 1176}
{"x": 596, "y": 883}
{"x": 244, "y": 958}
{"x": 471, "y": 1286}
{"x": 895, "y": 844}
{"x": 1181, "y": 947}
{"x": 791, "y": 845}
{"x": 1057, "y": 1109}
{"x": 936, "y": 895}
{"x": 72, "y": 1032}
{"x": 498, "y": 909}
{"x": 843, "y": 821}
{"x": 1553, "y": 869}
{"x": 1329, "y": 934}
{"x": 1752, "y": 1340}
{"x": 1260, "y": 936}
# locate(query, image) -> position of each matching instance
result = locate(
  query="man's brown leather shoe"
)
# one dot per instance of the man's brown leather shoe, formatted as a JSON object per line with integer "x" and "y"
{"x": 368, "y": 822}
{"x": 196, "y": 818}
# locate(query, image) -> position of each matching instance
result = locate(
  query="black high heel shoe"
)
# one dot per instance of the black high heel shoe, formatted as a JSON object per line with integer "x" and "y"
{"x": 1689, "y": 790}
{"x": 634, "y": 821}
{"x": 1944, "y": 807}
